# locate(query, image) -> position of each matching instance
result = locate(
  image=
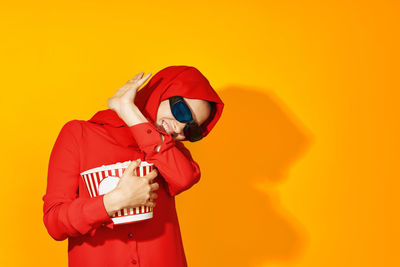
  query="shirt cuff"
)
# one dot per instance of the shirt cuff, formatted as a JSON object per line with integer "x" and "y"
{"x": 148, "y": 137}
{"x": 97, "y": 212}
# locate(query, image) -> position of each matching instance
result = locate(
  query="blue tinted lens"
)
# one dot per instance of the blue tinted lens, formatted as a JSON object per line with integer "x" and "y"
{"x": 181, "y": 112}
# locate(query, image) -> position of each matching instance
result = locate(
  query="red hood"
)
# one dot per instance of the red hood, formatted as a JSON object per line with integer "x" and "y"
{"x": 185, "y": 81}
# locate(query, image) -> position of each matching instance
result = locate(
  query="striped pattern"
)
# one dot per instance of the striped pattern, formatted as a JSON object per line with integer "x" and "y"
{"x": 92, "y": 181}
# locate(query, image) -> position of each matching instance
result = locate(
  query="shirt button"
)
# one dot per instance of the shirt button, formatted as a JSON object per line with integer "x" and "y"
{"x": 148, "y": 131}
{"x": 130, "y": 235}
{"x": 133, "y": 261}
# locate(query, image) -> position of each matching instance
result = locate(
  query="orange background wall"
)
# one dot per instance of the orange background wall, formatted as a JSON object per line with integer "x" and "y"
{"x": 302, "y": 169}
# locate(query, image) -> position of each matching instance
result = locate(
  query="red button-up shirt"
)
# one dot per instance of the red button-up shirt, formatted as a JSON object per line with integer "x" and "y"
{"x": 70, "y": 212}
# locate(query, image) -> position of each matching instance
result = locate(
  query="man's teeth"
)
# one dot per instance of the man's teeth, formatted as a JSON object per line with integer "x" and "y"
{"x": 165, "y": 127}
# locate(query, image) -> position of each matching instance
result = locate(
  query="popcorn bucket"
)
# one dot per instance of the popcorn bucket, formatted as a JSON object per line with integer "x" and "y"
{"x": 101, "y": 180}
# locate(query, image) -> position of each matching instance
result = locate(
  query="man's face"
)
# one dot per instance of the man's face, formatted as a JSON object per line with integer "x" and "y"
{"x": 166, "y": 121}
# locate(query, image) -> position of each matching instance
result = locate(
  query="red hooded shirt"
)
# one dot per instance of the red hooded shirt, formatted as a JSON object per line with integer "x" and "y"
{"x": 70, "y": 212}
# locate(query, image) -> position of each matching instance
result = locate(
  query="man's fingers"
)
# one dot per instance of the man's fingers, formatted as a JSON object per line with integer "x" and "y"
{"x": 151, "y": 175}
{"x": 150, "y": 204}
{"x": 153, "y": 195}
{"x": 139, "y": 78}
{"x": 132, "y": 87}
{"x": 140, "y": 74}
{"x": 134, "y": 83}
{"x": 147, "y": 76}
{"x": 154, "y": 186}
{"x": 142, "y": 80}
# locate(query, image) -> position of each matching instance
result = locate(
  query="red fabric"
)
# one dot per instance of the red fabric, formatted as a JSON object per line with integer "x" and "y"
{"x": 69, "y": 212}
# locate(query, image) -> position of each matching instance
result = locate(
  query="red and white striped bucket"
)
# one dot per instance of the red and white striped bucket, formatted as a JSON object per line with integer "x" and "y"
{"x": 101, "y": 180}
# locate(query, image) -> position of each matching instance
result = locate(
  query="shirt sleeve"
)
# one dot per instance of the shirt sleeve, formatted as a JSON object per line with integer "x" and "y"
{"x": 64, "y": 213}
{"x": 173, "y": 160}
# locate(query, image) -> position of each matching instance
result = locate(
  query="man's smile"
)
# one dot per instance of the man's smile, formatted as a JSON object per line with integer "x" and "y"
{"x": 166, "y": 127}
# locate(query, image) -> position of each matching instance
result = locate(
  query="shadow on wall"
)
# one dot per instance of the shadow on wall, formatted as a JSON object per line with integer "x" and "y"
{"x": 231, "y": 221}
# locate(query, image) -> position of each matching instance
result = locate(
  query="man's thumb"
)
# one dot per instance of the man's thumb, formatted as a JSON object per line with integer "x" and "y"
{"x": 133, "y": 165}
